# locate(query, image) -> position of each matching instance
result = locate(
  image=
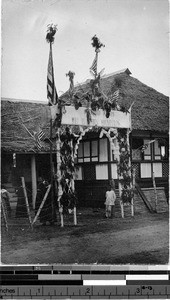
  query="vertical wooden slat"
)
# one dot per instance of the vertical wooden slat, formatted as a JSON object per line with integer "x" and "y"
{"x": 4, "y": 214}
{"x": 42, "y": 204}
{"x": 155, "y": 192}
{"x": 26, "y": 201}
{"x": 60, "y": 192}
{"x": 33, "y": 180}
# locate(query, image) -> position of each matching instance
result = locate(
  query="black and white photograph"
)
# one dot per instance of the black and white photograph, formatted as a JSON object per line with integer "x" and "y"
{"x": 85, "y": 132}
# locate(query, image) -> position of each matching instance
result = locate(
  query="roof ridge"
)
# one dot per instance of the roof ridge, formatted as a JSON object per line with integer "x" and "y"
{"x": 126, "y": 70}
{"x": 23, "y": 100}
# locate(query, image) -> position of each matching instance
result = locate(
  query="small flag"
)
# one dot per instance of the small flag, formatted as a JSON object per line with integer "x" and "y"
{"x": 40, "y": 135}
{"x": 51, "y": 89}
{"x": 39, "y": 146}
{"x": 93, "y": 67}
{"x": 115, "y": 95}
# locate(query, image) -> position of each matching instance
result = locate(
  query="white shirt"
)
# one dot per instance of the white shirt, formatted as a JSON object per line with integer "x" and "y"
{"x": 110, "y": 198}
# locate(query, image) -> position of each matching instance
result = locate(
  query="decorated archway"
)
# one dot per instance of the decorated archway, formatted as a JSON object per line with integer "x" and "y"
{"x": 90, "y": 110}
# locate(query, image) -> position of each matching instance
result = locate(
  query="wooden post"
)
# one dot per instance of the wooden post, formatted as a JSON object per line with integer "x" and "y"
{"x": 96, "y": 63}
{"x": 62, "y": 218}
{"x": 4, "y": 214}
{"x": 52, "y": 172}
{"x": 75, "y": 216}
{"x": 133, "y": 186}
{"x": 155, "y": 192}
{"x": 26, "y": 201}
{"x": 121, "y": 203}
{"x": 73, "y": 186}
{"x": 133, "y": 175}
{"x": 119, "y": 184}
{"x": 42, "y": 204}
{"x": 34, "y": 180}
{"x": 58, "y": 159}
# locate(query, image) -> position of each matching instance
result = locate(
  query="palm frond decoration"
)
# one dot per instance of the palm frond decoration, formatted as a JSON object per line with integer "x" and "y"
{"x": 96, "y": 43}
{"x": 51, "y": 31}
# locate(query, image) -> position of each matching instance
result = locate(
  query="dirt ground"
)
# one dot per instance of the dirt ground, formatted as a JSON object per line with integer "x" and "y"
{"x": 142, "y": 239}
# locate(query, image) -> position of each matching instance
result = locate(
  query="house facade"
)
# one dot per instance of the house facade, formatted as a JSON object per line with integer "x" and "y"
{"x": 95, "y": 161}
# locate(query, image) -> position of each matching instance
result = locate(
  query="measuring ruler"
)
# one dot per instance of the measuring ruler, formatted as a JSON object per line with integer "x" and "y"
{"x": 73, "y": 283}
{"x": 85, "y": 292}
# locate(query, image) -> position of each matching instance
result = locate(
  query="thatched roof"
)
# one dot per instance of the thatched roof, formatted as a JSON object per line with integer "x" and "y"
{"x": 17, "y": 118}
{"x": 150, "y": 111}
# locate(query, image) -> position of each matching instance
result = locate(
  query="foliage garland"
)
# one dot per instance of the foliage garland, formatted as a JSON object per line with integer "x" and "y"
{"x": 68, "y": 199}
{"x": 124, "y": 170}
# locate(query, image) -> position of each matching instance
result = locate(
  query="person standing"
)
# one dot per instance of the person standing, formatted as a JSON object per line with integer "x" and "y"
{"x": 110, "y": 202}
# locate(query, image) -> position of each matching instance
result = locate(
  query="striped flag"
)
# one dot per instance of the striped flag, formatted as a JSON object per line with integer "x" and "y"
{"x": 93, "y": 67}
{"x": 38, "y": 137}
{"x": 38, "y": 144}
{"x": 115, "y": 96}
{"x": 51, "y": 89}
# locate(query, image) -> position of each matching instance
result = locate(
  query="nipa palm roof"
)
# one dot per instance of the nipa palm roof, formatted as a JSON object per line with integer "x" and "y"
{"x": 20, "y": 119}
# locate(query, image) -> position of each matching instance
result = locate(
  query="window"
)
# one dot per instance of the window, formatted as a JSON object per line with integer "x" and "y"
{"x": 137, "y": 144}
{"x": 157, "y": 150}
{"x": 147, "y": 150}
{"x": 161, "y": 149}
{"x": 88, "y": 151}
{"x": 103, "y": 156}
{"x": 93, "y": 151}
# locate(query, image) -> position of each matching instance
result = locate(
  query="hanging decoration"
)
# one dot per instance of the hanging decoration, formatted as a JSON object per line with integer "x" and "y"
{"x": 124, "y": 168}
{"x": 68, "y": 198}
{"x": 95, "y": 99}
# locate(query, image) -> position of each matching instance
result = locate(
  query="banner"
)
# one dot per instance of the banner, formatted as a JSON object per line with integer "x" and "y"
{"x": 116, "y": 119}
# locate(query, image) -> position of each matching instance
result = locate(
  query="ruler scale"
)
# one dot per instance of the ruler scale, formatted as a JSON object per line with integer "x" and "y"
{"x": 82, "y": 282}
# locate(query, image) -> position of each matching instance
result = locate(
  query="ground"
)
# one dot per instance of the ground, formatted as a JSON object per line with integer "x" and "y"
{"x": 142, "y": 239}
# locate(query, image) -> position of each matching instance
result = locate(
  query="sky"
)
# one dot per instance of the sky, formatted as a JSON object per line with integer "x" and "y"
{"x": 135, "y": 34}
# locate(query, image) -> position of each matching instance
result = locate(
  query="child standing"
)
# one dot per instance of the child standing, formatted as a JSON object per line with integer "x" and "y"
{"x": 110, "y": 202}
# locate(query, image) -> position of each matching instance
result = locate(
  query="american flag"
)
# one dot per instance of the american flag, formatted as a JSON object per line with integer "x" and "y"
{"x": 115, "y": 95}
{"x": 38, "y": 137}
{"x": 93, "y": 67}
{"x": 51, "y": 89}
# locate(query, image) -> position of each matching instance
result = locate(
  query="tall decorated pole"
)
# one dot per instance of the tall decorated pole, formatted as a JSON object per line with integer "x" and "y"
{"x": 97, "y": 45}
{"x": 52, "y": 101}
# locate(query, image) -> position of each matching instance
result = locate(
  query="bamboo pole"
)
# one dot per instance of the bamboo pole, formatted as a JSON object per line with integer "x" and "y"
{"x": 121, "y": 203}
{"x": 96, "y": 62}
{"x": 58, "y": 159}
{"x": 133, "y": 186}
{"x": 42, "y": 204}
{"x": 26, "y": 201}
{"x": 33, "y": 179}
{"x": 155, "y": 191}
{"x": 73, "y": 186}
{"x": 4, "y": 215}
{"x": 52, "y": 174}
{"x": 119, "y": 184}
